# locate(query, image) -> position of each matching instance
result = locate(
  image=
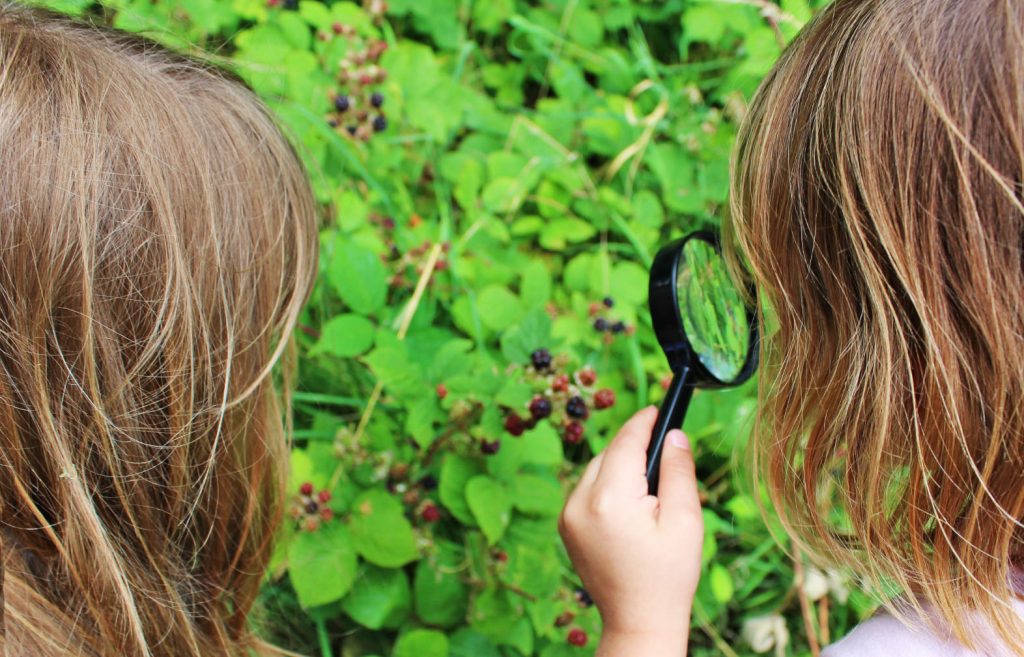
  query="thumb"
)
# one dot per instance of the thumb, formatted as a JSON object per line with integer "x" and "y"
{"x": 677, "y": 489}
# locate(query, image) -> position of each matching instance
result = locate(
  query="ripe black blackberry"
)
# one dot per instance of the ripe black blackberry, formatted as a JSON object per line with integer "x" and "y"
{"x": 541, "y": 360}
{"x": 380, "y": 124}
{"x": 377, "y": 100}
{"x": 577, "y": 408}
{"x": 342, "y": 103}
{"x": 540, "y": 408}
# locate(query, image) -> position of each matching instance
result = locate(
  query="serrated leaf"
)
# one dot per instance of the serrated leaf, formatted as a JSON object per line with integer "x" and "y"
{"x": 380, "y": 532}
{"x": 489, "y": 501}
{"x": 421, "y": 643}
{"x": 380, "y": 598}
{"x": 456, "y": 471}
{"x": 322, "y": 564}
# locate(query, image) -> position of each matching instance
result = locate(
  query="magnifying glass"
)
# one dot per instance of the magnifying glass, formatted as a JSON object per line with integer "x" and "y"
{"x": 707, "y": 332}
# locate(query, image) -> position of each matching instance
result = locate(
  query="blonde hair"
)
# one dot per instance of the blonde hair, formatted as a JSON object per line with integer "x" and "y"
{"x": 157, "y": 241}
{"x": 878, "y": 201}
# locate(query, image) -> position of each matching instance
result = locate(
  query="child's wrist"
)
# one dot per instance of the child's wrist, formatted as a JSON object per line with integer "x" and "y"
{"x": 624, "y": 643}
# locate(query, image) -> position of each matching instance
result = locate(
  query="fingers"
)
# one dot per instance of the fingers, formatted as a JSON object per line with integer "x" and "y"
{"x": 677, "y": 490}
{"x": 626, "y": 456}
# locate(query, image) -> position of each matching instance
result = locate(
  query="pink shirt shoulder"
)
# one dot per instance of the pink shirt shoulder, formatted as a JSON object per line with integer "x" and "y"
{"x": 884, "y": 635}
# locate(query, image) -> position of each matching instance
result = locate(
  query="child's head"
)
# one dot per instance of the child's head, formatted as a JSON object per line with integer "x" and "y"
{"x": 157, "y": 240}
{"x": 878, "y": 198}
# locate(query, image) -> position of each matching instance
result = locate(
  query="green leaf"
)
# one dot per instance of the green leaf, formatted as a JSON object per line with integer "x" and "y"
{"x": 379, "y": 598}
{"x": 441, "y": 597}
{"x": 499, "y": 308}
{"x": 489, "y": 501}
{"x": 380, "y": 532}
{"x": 322, "y": 564}
{"x": 421, "y": 643}
{"x": 358, "y": 277}
{"x": 456, "y": 471}
{"x": 345, "y": 336}
{"x": 537, "y": 495}
{"x": 470, "y": 643}
{"x": 532, "y": 333}
{"x": 721, "y": 583}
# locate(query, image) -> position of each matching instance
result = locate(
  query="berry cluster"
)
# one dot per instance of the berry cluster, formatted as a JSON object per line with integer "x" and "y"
{"x": 565, "y": 402}
{"x": 413, "y": 493}
{"x": 309, "y": 508}
{"x": 605, "y": 323}
{"x": 291, "y": 5}
{"x": 359, "y": 104}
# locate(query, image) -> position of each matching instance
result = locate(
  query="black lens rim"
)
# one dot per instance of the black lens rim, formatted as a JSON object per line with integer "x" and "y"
{"x": 663, "y": 300}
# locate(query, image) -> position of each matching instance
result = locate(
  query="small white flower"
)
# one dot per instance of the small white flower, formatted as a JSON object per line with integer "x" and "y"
{"x": 815, "y": 585}
{"x": 839, "y": 585}
{"x": 766, "y": 632}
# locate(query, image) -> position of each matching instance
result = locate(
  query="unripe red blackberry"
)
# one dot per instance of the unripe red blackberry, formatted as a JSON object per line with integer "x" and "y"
{"x": 587, "y": 376}
{"x": 306, "y": 488}
{"x": 515, "y": 425}
{"x": 337, "y": 27}
{"x": 577, "y": 637}
{"x": 326, "y": 514}
{"x": 430, "y": 513}
{"x": 604, "y": 399}
{"x": 540, "y": 408}
{"x": 574, "y": 433}
{"x": 324, "y": 496}
{"x": 311, "y": 524}
{"x": 442, "y": 391}
{"x": 561, "y": 383}
{"x": 565, "y": 618}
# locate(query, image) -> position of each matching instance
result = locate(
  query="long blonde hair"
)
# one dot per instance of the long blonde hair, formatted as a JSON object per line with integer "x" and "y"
{"x": 878, "y": 200}
{"x": 157, "y": 241}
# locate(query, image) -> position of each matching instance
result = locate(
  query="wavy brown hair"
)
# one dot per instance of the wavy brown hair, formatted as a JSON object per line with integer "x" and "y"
{"x": 878, "y": 201}
{"x": 157, "y": 241}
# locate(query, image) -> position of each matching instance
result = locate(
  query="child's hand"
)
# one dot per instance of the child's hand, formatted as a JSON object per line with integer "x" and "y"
{"x": 639, "y": 556}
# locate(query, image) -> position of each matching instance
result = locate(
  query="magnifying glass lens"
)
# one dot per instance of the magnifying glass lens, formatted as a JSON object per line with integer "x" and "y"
{"x": 712, "y": 311}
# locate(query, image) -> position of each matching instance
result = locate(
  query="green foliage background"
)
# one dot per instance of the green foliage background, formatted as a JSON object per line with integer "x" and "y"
{"x": 540, "y": 151}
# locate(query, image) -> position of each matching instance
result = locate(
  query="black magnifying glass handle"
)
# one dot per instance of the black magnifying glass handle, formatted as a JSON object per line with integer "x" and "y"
{"x": 670, "y": 416}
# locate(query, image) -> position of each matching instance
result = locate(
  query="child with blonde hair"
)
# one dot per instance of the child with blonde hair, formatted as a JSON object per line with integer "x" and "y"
{"x": 878, "y": 198}
{"x": 157, "y": 241}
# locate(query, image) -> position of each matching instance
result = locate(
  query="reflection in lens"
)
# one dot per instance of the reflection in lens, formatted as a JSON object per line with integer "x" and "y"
{"x": 712, "y": 311}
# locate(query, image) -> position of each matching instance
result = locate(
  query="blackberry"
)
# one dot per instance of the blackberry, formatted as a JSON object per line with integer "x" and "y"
{"x": 608, "y": 302}
{"x": 490, "y": 447}
{"x": 541, "y": 359}
{"x": 577, "y": 408}
{"x": 601, "y": 324}
{"x": 352, "y": 129}
{"x": 429, "y": 482}
{"x": 577, "y": 637}
{"x": 342, "y": 103}
{"x": 540, "y": 408}
{"x": 312, "y": 507}
{"x": 515, "y": 425}
{"x": 574, "y": 433}
{"x": 619, "y": 327}
{"x": 583, "y": 597}
{"x": 604, "y": 399}
{"x": 306, "y": 488}
{"x": 377, "y": 100}
{"x": 380, "y": 124}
